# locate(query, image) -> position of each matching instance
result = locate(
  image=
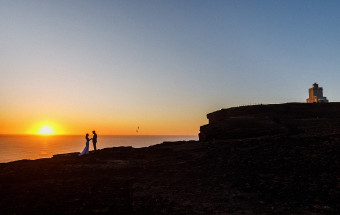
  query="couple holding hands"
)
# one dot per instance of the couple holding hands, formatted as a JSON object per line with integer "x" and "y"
{"x": 94, "y": 141}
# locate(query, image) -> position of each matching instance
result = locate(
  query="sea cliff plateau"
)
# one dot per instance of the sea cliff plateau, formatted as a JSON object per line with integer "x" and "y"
{"x": 292, "y": 169}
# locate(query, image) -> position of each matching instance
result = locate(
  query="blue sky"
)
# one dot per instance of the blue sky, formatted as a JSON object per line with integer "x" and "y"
{"x": 162, "y": 62}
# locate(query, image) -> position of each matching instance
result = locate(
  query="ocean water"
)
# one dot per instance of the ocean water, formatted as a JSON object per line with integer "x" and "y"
{"x": 18, "y": 147}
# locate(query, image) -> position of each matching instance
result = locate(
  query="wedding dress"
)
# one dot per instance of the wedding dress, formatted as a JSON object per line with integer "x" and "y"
{"x": 86, "y": 149}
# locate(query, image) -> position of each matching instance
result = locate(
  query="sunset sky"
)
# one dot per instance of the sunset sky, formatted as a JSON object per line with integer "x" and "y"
{"x": 161, "y": 65}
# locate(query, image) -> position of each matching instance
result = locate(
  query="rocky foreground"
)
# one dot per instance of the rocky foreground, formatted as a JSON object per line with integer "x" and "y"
{"x": 238, "y": 167}
{"x": 268, "y": 175}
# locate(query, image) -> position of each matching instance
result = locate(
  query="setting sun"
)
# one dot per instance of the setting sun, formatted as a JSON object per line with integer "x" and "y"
{"x": 46, "y": 130}
{"x": 45, "y": 127}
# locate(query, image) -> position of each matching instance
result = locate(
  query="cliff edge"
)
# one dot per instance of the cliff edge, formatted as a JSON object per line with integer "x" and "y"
{"x": 293, "y": 169}
{"x": 274, "y": 119}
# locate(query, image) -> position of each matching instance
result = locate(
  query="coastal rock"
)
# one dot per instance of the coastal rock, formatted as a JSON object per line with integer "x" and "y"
{"x": 275, "y": 119}
{"x": 294, "y": 173}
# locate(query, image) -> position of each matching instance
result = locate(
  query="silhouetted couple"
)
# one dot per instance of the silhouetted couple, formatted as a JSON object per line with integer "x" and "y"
{"x": 87, "y": 144}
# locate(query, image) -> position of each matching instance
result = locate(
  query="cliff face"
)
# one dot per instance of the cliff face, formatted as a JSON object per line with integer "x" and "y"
{"x": 268, "y": 175}
{"x": 293, "y": 171}
{"x": 277, "y": 119}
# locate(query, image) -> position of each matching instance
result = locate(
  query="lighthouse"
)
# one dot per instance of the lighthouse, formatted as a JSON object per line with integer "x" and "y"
{"x": 316, "y": 94}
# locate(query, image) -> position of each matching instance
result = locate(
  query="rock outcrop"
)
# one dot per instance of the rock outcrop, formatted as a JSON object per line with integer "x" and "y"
{"x": 294, "y": 169}
{"x": 276, "y": 119}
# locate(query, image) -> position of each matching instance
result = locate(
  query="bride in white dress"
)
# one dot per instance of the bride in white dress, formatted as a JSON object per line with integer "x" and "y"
{"x": 86, "y": 149}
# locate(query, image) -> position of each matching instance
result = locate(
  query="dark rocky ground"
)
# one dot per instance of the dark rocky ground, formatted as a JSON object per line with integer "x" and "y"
{"x": 294, "y": 168}
{"x": 267, "y": 175}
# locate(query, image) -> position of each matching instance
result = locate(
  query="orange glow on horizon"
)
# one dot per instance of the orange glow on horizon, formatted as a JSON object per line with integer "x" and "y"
{"x": 68, "y": 124}
{"x": 46, "y": 130}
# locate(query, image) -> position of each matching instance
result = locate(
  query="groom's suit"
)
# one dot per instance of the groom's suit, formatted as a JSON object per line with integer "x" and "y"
{"x": 94, "y": 141}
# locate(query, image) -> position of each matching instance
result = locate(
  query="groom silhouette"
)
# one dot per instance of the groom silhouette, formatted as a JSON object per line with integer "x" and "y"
{"x": 94, "y": 140}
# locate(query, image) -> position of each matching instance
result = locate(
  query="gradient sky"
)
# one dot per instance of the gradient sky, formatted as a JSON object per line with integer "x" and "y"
{"x": 160, "y": 65}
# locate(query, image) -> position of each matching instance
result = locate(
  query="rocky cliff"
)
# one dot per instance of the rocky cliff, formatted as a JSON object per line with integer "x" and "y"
{"x": 276, "y": 119}
{"x": 293, "y": 169}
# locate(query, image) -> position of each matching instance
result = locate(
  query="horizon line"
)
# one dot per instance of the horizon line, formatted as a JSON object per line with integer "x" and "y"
{"x": 100, "y": 135}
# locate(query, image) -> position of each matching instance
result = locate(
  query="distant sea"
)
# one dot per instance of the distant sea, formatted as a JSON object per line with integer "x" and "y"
{"x": 18, "y": 147}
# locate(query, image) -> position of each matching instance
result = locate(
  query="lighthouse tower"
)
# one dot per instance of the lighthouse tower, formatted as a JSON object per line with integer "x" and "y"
{"x": 316, "y": 94}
